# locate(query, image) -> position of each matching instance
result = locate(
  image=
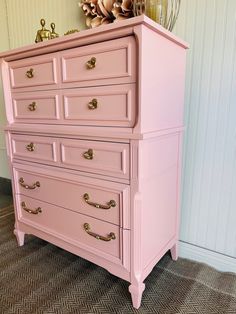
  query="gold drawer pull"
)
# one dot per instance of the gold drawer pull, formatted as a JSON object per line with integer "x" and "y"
{"x": 110, "y": 204}
{"x": 31, "y": 211}
{"x": 33, "y": 106}
{"x": 91, "y": 63}
{"x": 30, "y": 147}
{"x": 93, "y": 104}
{"x": 111, "y": 235}
{"x": 30, "y": 73}
{"x": 89, "y": 154}
{"x": 29, "y": 187}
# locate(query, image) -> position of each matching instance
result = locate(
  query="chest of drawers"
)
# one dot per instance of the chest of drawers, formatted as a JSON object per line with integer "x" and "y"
{"x": 95, "y": 122}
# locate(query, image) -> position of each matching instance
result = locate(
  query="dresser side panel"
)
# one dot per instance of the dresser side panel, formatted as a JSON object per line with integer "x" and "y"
{"x": 162, "y": 78}
{"x": 159, "y": 188}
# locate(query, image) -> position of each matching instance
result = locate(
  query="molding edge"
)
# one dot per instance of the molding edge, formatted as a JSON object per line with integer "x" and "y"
{"x": 217, "y": 260}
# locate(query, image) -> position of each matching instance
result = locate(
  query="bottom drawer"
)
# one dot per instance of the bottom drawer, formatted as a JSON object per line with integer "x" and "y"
{"x": 101, "y": 238}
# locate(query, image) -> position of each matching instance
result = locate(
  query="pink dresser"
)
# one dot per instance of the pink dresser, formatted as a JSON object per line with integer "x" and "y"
{"x": 95, "y": 123}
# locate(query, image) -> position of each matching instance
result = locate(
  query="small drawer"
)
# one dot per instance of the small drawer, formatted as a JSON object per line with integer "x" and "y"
{"x": 102, "y": 63}
{"x": 33, "y": 72}
{"x": 105, "y": 106}
{"x": 36, "y": 107}
{"x": 34, "y": 148}
{"x": 99, "y": 237}
{"x": 110, "y": 159}
{"x": 108, "y": 201}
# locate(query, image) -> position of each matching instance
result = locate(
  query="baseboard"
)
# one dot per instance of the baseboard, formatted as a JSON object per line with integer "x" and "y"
{"x": 217, "y": 260}
{"x": 5, "y": 186}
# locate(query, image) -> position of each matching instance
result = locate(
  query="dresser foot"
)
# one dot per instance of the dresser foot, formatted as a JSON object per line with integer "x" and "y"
{"x": 174, "y": 251}
{"x": 20, "y": 237}
{"x": 136, "y": 294}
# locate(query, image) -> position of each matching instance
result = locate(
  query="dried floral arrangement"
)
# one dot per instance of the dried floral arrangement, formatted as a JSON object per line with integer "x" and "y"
{"x": 99, "y": 12}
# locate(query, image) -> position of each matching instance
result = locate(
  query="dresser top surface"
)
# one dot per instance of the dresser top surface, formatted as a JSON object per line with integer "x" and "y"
{"x": 104, "y": 32}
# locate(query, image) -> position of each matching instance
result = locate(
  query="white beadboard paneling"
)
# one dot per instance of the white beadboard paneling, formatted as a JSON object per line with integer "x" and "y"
{"x": 209, "y": 168}
{"x": 24, "y": 18}
{"x": 217, "y": 260}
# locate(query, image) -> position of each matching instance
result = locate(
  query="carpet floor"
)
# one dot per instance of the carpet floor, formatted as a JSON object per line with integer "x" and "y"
{"x": 42, "y": 278}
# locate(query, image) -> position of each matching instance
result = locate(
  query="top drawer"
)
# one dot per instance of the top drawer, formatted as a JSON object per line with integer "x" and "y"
{"x": 36, "y": 71}
{"x": 110, "y": 62}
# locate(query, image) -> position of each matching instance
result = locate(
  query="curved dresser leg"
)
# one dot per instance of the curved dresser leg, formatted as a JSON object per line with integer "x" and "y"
{"x": 20, "y": 237}
{"x": 136, "y": 294}
{"x": 174, "y": 251}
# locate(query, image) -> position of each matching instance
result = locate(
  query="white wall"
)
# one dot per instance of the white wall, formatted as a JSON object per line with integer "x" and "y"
{"x": 4, "y": 45}
{"x": 208, "y": 230}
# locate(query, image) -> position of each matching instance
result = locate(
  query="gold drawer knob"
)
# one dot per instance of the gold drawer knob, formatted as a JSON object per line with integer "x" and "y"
{"x": 32, "y": 106}
{"x": 31, "y": 211}
{"x": 30, "y": 73}
{"x": 89, "y": 154}
{"x": 93, "y": 104}
{"x": 110, "y": 204}
{"x": 111, "y": 235}
{"x": 30, "y": 147}
{"x": 91, "y": 63}
{"x": 29, "y": 187}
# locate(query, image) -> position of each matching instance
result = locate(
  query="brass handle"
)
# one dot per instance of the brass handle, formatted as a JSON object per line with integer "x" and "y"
{"x": 30, "y": 73}
{"x": 31, "y": 211}
{"x": 32, "y": 107}
{"x": 91, "y": 63}
{"x": 110, "y": 204}
{"x": 29, "y": 187}
{"x": 111, "y": 235}
{"x": 89, "y": 154}
{"x": 93, "y": 104}
{"x": 30, "y": 147}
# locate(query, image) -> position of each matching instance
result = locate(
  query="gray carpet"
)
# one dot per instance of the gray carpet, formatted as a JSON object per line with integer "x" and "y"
{"x": 42, "y": 278}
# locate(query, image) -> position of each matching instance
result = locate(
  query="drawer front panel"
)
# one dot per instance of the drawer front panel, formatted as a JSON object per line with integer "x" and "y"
{"x": 34, "y": 71}
{"x": 111, "y": 159}
{"x": 104, "y": 200}
{"x": 34, "y": 148}
{"x": 36, "y": 107}
{"x": 106, "y": 106}
{"x": 70, "y": 226}
{"x": 103, "y": 61}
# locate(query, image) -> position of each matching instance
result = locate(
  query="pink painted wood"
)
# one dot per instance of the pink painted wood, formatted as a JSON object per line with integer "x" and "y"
{"x": 135, "y": 134}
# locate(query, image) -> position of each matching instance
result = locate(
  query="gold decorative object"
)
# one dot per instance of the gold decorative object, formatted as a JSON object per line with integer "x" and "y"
{"x": 53, "y": 33}
{"x": 110, "y": 204}
{"x": 164, "y": 12}
{"x": 100, "y": 12}
{"x": 43, "y": 33}
{"x": 111, "y": 235}
{"x": 71, "y": 31}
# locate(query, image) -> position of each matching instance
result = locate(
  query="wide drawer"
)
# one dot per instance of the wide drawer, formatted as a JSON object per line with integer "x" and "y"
{"x": 36, "y": 107}
{"x": 101, "y": 199}
{"x": 34, "y": 148}
{"x": 106, "y": 106}
{"x": 99, "y": 237}
{"x": 36, "y": 71}
{"x": 111, "y": 159}
{"x": 103, "y": 63}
